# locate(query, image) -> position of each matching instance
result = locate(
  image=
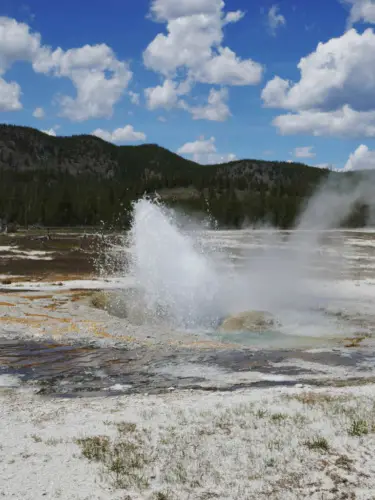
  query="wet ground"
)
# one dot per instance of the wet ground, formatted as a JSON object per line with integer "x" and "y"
{"x": 82, "y": 370}
{"x": 52, "y": 338}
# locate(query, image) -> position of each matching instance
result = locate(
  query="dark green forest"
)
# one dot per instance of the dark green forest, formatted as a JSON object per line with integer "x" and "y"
{"x": 83, "y": 180}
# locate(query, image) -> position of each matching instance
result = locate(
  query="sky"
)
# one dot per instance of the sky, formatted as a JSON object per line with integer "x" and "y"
{"x": 214, "y": 81}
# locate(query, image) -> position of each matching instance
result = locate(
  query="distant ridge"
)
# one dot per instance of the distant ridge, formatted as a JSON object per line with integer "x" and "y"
{"x": 83, "y": 179}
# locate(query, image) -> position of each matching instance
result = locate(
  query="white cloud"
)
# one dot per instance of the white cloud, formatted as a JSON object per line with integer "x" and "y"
{"x": 216, "y": 108}
{"x": 362, "y": 159}
{"x": 233, "y": 17}
{"x": 303, "y": 152}
{"x": 204, "y": 151}
{"x": 188, "y": 44}
{"x": 125, "y": 134}
{"x": 51, "y": 131}
{"x": 344, "y": 122}
{"x": 340, "y": 71}
{"x": 192, "y": 50}
{"x": 201, "y": 146}
{"x": 163, "y": 96}
{"x": 193, "y": 41}
{"x": 134, "y": 97}
{"x": 335, "y": 91}
{"x": 361, "y": 11}
{"x": 17, "y": 43}
{"x": 227, "y": 68}
{"x": 10, "y": 93}
{"x": 162, "y": 119}
{"x": 38, "y": 113}
{"x": 166, "y": 10}
{"x": 99, "y": 77}
{"x": 275, "y": 19}
{"x": 274, "y": 93}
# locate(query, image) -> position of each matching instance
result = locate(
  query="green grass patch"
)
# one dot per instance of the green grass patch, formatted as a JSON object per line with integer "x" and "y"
{"x": 360, "y": 428}
{"x": 318, "y": 444}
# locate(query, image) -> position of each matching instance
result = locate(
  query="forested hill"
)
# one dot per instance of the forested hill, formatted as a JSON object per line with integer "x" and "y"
{"x": 84, "y": 180}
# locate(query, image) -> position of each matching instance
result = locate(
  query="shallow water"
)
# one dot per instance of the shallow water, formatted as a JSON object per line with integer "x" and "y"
{"x": 81, "y": 370}
{"x": 275, "y": 340}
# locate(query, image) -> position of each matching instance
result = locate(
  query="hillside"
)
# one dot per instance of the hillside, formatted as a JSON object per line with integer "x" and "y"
{"x": 85, "y": 180}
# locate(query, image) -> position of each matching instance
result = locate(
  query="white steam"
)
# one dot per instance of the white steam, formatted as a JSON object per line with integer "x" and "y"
{"x": 183, "y": 273}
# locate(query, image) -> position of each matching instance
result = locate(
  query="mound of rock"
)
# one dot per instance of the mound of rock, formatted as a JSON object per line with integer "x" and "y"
{"x": 129, "y": 304}
{"x": 112, "y": 302}
{"x": 248, "y": 321}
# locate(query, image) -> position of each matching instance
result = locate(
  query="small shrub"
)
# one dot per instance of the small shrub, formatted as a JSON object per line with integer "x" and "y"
{"x": 162, "y": 495}
{"x": 125, "y": 427}
{"x": 95, "y": 448}
{"x": 278, "y": 417}
{"x": 318, "y": 444}
{"x": 261, "y": 413}
{"x": 123, "y": 459}
{"x": 36, "y": 438}
{"x": 359, "y": 428}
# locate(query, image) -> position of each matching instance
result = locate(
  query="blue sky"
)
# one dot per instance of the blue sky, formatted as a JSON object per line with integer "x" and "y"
{"x": 212, "y": 80}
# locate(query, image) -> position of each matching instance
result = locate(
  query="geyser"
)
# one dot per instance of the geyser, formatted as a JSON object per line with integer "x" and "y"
{"x": 176, "y": 276}
{"x": 186, "y": 278}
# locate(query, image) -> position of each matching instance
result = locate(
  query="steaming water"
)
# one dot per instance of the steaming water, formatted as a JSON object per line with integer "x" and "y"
{"x": 178, "y": 278}
{"x": 193, "y": 278}
{"x": 192, "y": 281}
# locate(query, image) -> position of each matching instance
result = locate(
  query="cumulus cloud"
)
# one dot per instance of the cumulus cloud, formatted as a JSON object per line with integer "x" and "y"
{"x": 216, "y": 108}
{"x": 344, "y": 122}
{"x": 165, "y": 96}
{"x": 10, "y": 93}
{"x": 362, "y": 159}
{"x": 17, "y": 43}
{"x": 340, "y": 71}
{"x": 204, "y": 151}
{"x": 303, "y": 152}
{"x": 119, "y": 135}
{"x": 226, "y": 68}
{"x": 167, "y": 10}
{"x": 193, "y": 43}
{"x": 275, "y": 19}
{"x": 335, "y": 91}
{"x": 98, "y": 76}
{"x": 361, "y": 11}
{"x": 100, "y": 79}
{"x": 192, "y": 49}
{"x": 38, "y": 113}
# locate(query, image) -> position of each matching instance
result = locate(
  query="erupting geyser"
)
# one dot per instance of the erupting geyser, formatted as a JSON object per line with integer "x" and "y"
{"x": 188, "y": 280}
{"x": 190, "y": 284}
{"x": 175, "y": 276}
